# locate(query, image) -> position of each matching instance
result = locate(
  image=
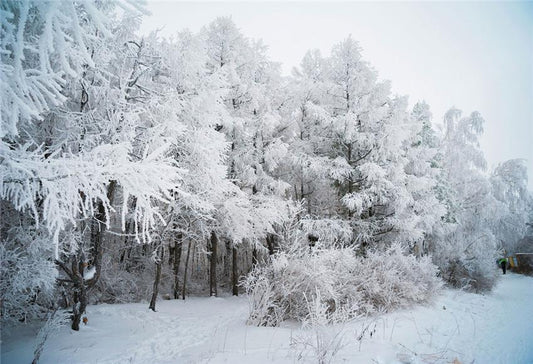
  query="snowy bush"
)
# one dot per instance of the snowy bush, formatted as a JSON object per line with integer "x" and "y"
{"x": 396, "y": 279}
{"x": 473, "y": 274}
{"x": 347, "y": 284}
{"x": 120, "y": 285}
{"x": 466, "y": 262}
{"x": 324, "y": 340}
{"x": 328, "y": 232}
{"x": 27, "y": 274}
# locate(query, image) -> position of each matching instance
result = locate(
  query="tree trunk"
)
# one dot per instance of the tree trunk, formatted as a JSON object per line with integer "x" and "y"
{"x": 176, "y": 265}
{"x": 235, "y": 273}
{"x": 186, "y": 268}
{"x": 271, "y": 244}
{"x": 80, "y": 292}
{"x": 80, "y": 287}
{"x": 79, "y": 296}
{"x": 97, "y": 234}
{"x": 80, "y": 304}
{"x": 158, "y": 265}
{"x": 129, "y": 223}
{"x": 213, "y": 265}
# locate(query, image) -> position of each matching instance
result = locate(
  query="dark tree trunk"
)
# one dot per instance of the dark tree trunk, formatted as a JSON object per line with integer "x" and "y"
{"x": 235, "y": 273}
{"x": 80, "y": 304}
{"x": 213, "y": 265}
{"x": 79, "y": 301}
{"x": 97, "y": 234}
{"x": 131, "y": 248}
{"x": 254, "y": 257}
{"x": 186, "y": 269}
{"x": 271, "y": 244}
{"x": 155, "y": 291}
{"x": 176, "y": 265}
{"x": 80, "y": 287}
{"x": 127, "y": 231}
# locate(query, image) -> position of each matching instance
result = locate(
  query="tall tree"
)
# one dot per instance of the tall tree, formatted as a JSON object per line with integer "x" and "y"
{"x": 48, "y": 65}
{"x": 509, "y": 186}
{"x": 466, "y": 252}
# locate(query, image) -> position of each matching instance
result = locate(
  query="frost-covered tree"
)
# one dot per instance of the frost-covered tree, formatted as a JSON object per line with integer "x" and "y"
{"x": 202, "y": 150}
{"x": 422, "y": 178}
{"x": 466, "y": 252}
{"x": 308, "y": 165}
{"x": 60, "y": 179}
{"x": 361, "y": 142}
{"x": 251, "y": 129}
{"x": 509, "y": 187}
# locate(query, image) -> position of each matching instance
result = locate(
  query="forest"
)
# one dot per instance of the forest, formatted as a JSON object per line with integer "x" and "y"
{"x": 142, "y": 168}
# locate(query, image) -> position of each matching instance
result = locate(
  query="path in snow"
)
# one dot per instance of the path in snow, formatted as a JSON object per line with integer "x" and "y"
{"x": 493, "y": 328}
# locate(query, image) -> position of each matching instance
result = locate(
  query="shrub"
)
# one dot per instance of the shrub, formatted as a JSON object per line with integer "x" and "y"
{"x": 347, "y": 284}
{"x": 27, "y": 275}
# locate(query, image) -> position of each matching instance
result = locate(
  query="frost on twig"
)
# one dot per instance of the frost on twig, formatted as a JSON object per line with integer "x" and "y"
{"x": 56, "y": 319}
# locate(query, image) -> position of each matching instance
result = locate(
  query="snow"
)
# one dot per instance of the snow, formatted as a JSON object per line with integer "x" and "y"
{"x": 470, "y": 328}
{"x": 89, "y": 274}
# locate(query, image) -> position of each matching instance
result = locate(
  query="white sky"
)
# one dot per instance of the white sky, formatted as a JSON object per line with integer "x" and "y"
{"x": 475, "y": 56}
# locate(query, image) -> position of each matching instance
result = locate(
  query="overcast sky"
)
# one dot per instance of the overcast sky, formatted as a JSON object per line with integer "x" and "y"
{"x": 474, "y": 56}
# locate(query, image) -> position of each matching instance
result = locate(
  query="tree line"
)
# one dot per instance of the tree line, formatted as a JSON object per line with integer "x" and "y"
{"x": 138, "y": 166}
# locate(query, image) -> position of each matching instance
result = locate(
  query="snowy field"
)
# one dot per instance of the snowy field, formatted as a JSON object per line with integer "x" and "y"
{"x": 457, "y": 327}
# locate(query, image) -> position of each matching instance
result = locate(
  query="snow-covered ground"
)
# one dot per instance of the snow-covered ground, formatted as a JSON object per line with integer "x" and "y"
{"x": 457, "y": 327}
